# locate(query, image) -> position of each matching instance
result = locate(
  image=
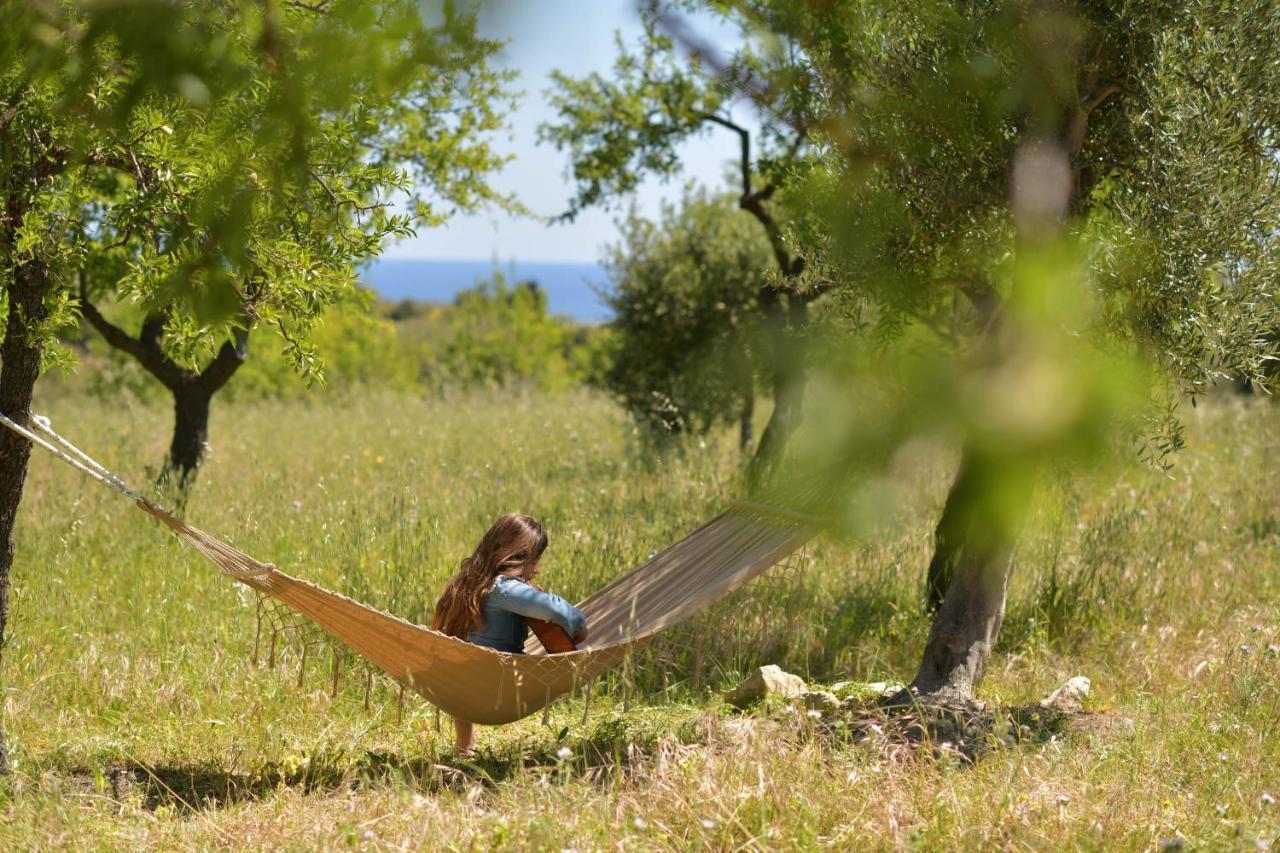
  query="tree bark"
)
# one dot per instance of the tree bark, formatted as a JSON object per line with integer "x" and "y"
{"x": 788, "y": 390}
{"x": 975, "y": 556}
{"x": 950, "y": 535}
{"x": 975, "y": 544}
{"x": 788, "y": 394}
{"x": 948, "y": 538}
{"x": 746, "y": 419}
{"x": 191, "y": 402}
{"x": 19, "y": 369}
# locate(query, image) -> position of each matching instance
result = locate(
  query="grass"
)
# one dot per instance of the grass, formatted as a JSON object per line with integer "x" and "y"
{"x": 139, "y": 719}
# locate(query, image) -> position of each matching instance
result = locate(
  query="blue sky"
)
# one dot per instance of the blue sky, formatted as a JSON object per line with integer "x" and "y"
{"x": 575, "y": 36}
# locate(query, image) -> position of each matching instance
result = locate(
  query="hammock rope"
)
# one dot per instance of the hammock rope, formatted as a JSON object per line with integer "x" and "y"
{"x": 477, "y": 683}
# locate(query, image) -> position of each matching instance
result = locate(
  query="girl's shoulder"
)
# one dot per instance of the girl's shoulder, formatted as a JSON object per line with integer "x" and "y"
{"x": 507, "y": 585}
{"x": 508, "y": 580}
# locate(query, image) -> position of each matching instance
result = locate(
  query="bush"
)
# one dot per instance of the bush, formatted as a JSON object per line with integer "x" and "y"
{"x": 500, "y": 335}
{"x": 683, "y": 354}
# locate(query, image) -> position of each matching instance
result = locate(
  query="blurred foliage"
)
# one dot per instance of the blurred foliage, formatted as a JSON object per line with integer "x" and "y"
{"x": 685, "y": 351}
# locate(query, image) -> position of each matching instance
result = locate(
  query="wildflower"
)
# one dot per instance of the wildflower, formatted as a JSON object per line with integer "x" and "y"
{"x": 377, "y": 460}
{"x": 640, "y": 822}
{"x": 563, "y": 752}
{"x": 708, "y": 823}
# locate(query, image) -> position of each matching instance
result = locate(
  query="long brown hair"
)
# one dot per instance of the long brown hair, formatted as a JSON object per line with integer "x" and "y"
{"x": 512, "y": 543}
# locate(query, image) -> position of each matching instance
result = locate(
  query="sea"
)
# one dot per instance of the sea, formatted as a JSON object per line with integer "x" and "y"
{"x": 572, "y": 288}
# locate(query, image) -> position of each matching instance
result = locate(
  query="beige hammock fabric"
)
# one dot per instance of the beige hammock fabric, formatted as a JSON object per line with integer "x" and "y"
{"x": 476, "y": 683}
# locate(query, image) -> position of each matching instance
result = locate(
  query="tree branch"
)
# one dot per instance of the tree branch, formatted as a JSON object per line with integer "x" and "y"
{"x": 228, "y": 360}
{"x": 152, "y": 330}
{"x": 1103, "y": 94}
{"x": 745, "y": 138}
{"x": 339, "y": 202}
{"x": 142, "y": 349}
{"x": 754, "y": 204}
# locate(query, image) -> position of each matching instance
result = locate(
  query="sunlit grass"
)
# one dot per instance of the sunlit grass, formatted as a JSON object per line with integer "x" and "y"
{"x": 130, "y": 694}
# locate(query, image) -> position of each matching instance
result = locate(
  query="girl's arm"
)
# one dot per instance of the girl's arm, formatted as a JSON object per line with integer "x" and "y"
{"x": 519, "y": 597}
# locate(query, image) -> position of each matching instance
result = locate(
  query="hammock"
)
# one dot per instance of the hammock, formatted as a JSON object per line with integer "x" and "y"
{"x": 476, "y": 683}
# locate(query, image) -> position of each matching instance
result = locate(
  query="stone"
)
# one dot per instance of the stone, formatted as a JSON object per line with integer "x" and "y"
{"x": 767, "y": 682}
{"x": 822, "y": 701}
{"x": 885, "y": 688}
{"x": 1069, "y": 698}
{"x": 865, "y": 691}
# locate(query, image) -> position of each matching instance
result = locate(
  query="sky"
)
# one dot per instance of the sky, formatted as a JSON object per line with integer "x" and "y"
{"x": 577, "y": 37}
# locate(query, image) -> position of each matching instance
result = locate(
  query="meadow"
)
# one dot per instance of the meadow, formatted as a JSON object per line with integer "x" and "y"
{"x": 138, "y": 716}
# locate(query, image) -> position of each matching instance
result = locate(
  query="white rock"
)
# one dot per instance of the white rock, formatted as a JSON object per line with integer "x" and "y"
{"x": 766, "y": 682}
{"x": 1069, "y": 698}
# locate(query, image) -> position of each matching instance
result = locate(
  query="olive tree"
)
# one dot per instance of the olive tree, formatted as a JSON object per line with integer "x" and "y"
{"x": 1077, "y": 199}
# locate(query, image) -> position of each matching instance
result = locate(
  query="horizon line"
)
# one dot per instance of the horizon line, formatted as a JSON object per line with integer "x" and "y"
{"x": 489, "y": 261}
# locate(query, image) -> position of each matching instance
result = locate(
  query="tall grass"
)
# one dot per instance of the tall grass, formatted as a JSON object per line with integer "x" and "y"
{"x": 131, "y": 698}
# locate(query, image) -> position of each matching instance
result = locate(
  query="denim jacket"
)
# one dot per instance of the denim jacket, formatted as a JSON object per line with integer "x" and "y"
{"x": 507, "y": 604}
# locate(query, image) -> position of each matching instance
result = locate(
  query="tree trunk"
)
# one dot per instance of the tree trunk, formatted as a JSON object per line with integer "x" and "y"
{"x": 948, "y": 537}
{"x": 788, "y": 392}
{"x": 746, "y": 420}
{"x": 976, "y": 547}
{"x": 966, "y": 626}
{"x": 191, "y": 400}
{"x": 19, "y": 369}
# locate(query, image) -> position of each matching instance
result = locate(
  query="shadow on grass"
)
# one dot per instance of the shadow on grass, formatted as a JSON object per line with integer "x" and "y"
{"x": 611, "y": 747}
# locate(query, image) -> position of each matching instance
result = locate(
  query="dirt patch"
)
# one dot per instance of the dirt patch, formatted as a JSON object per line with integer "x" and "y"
{"x": 965, "y": 732}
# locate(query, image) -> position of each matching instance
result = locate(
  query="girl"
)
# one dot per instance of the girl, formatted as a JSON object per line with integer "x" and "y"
{"x": 488, "y": 600}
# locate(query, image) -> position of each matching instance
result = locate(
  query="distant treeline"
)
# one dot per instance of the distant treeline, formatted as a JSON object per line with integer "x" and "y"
{"x": 494, "y": 335}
